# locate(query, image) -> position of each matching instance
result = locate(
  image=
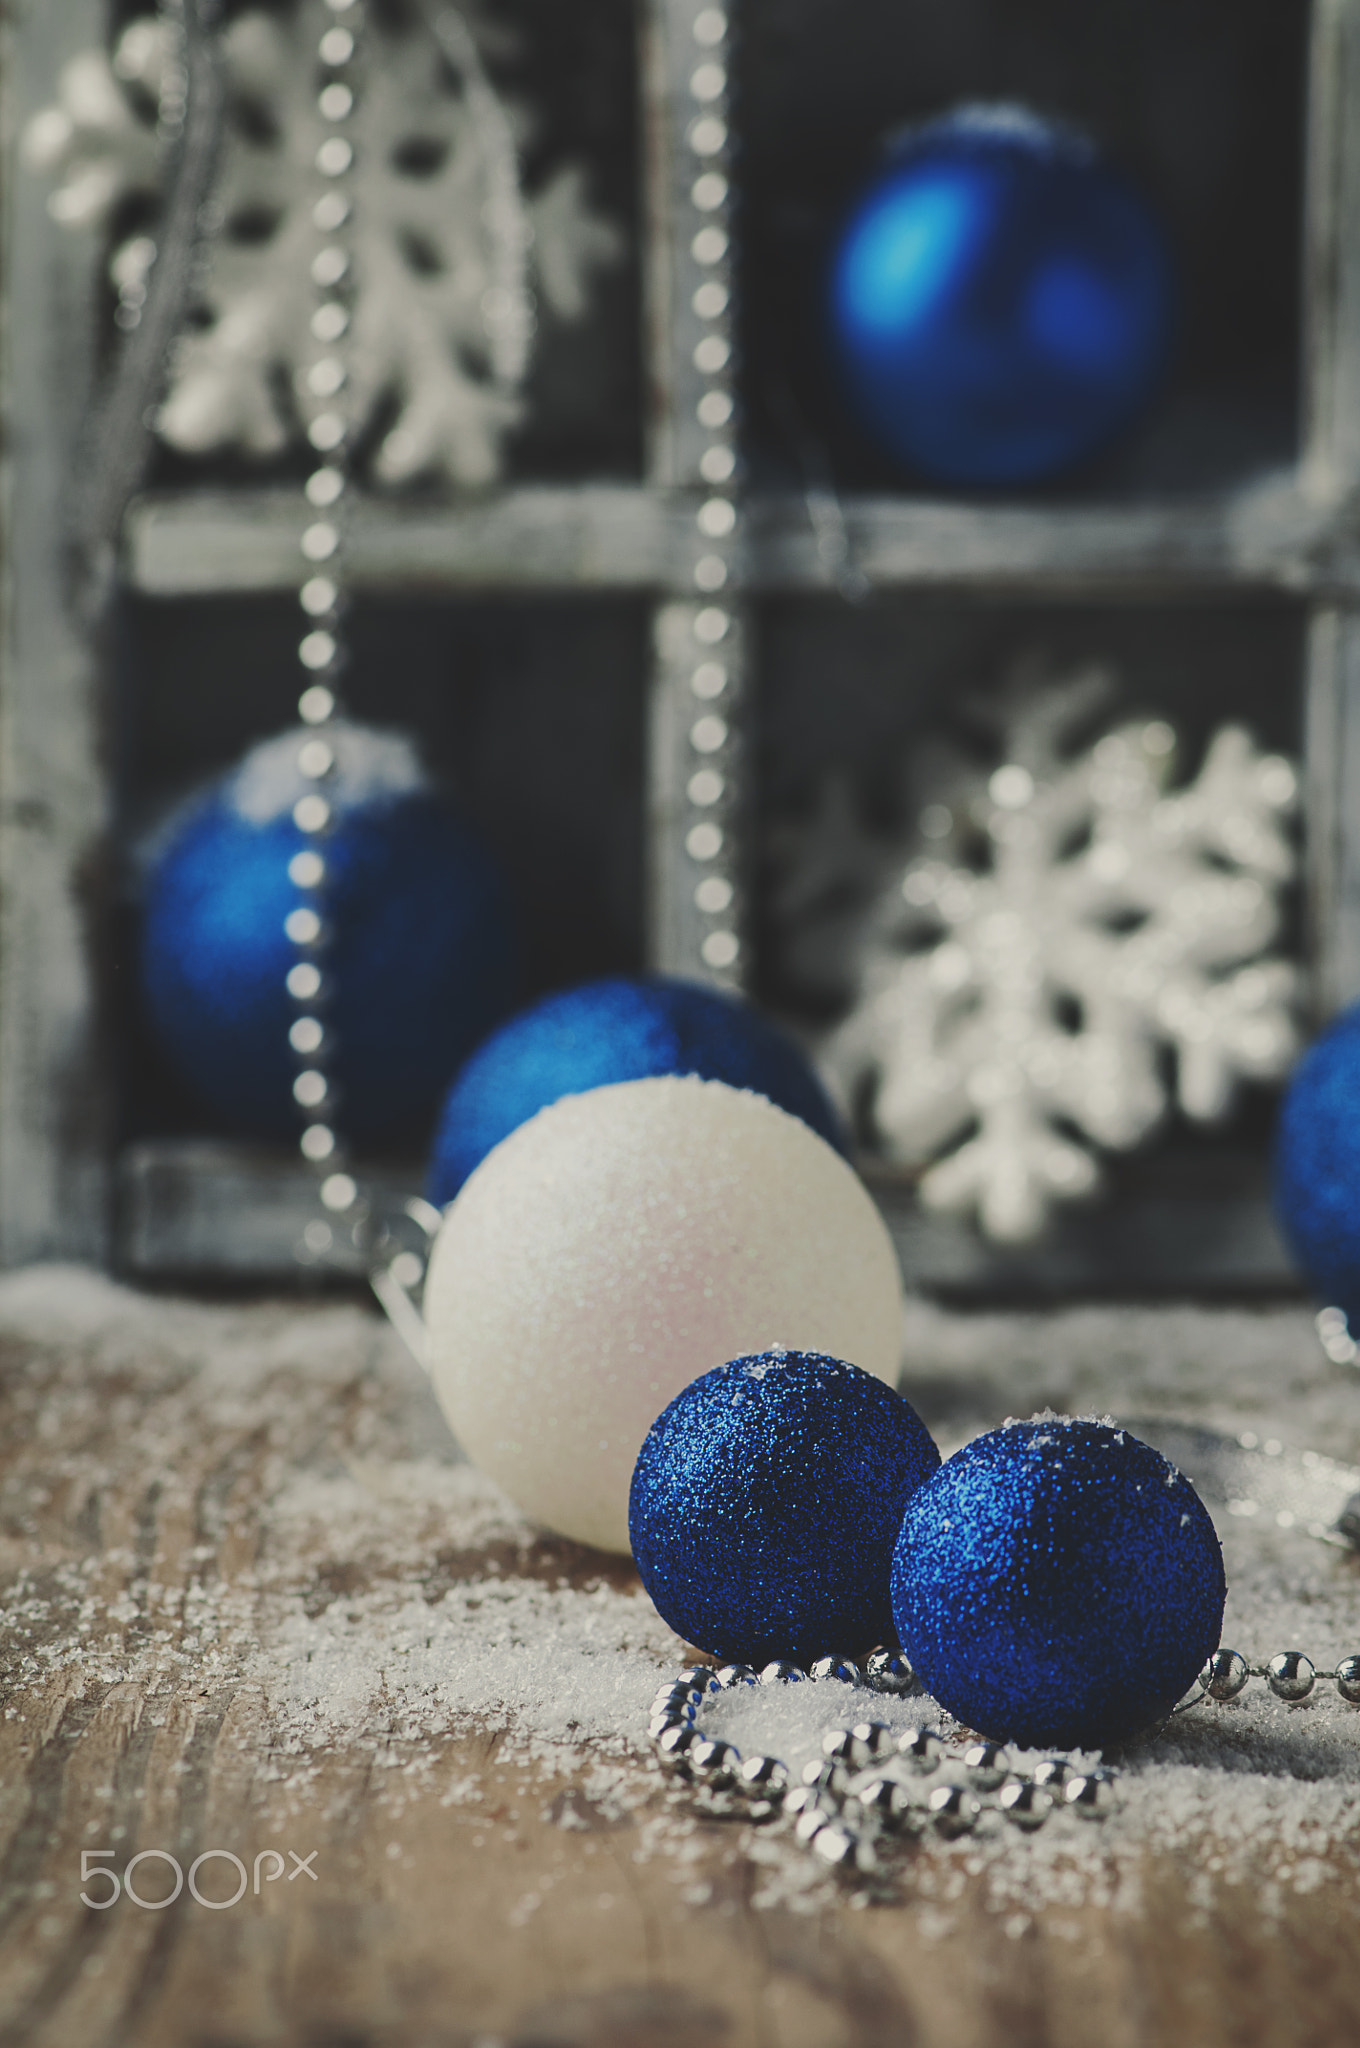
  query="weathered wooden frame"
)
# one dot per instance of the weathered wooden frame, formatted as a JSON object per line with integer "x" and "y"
{"x": 166, "y": 1208}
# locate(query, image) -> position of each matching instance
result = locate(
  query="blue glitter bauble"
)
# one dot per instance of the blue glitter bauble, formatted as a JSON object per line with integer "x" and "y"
{"x": 1000, "y": 301}
{"x": 611, "y": 1031}
{"x": 1057, "y": 1584}
{"x": 765, "y": 1503}
{"x": 1317, "y": 1166}
{"x": 418, "y": 966}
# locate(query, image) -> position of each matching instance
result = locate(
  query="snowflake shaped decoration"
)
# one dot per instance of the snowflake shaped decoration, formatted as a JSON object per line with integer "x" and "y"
{"x": 1064, "y": 922}
{"x": 447, "y": 253}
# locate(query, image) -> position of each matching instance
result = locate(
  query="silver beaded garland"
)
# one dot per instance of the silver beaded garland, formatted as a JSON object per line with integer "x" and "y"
{"x": 701, "y": 636}
{"x": 322, "y": 393}
{"x": 1224, "y": 1676}
{"x": 1290, "y": 1675}
{"x": 1334, "y": 1335}
{"x": 868, "y": 1784}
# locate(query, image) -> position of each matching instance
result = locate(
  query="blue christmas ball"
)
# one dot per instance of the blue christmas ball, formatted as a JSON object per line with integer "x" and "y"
{"x": 1317, "y": 1166}
{"x": 1057, "y": 1584}
{"x": 616, "y": 1030}
{"x": 1000, "y": 301}
{"x": 765, "y": 1503}
{"x": 418, "y": 964}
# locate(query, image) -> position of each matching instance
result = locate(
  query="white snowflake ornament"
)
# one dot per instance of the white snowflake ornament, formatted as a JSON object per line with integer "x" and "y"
{"x": 445, "y": 254}
{"x": 1077, "y": 919}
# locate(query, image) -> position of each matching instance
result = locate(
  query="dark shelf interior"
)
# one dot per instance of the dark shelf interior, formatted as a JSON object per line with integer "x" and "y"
{"x": 914, "y": 679}
{"x": 915, "y": 673}
{"x": 530, "y": 713}
{"x": 569, "y": 77}
{"x": 1202, "y": 105}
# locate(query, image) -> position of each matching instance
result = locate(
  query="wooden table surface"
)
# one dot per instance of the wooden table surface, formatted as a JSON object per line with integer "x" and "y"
{"x": 143, "y": 1448}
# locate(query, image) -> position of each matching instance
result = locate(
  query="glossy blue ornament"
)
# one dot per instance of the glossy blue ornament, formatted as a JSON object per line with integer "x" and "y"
{"x": 1000, "y": 301}
{"x": 1317, "y": 1166}
{"x": 616, "y": 1030}
{"x": 419, "y": 963}
{"x": 1057, "y": 1584}
{"x": 765, "y": 1503}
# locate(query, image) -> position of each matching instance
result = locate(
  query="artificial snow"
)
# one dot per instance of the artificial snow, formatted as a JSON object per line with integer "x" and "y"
{"x": 398, "y": 1596}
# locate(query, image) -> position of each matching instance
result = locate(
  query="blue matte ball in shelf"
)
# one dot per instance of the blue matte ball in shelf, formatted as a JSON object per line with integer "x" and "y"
{"x": 1057, "y": 1584}
{"x": 420, "y": 964}
{"x": 765, "y": 1503}
{"x": 1317, "y": 1166}
{"x": 616, "y": 1030}
{"x": 1000, "y": 301}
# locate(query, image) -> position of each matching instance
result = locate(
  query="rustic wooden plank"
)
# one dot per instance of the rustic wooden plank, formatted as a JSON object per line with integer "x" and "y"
{"x": 1332, "y": 767}
{"x": 1332, "y": 276}
{"x": 190, "y": 1207}
{"x": 1268, "y": 532}
{"x": 595, "y": 536}
{"x": 1331, "y": 473}
{"x": 1166, "y": 1239}
{"x": 463, "y": 1892}
{"x": 615, "y": 537}
{"x": 53, "y": 803}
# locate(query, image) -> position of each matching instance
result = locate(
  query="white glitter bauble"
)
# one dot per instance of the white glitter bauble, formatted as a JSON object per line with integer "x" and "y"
{"x": 618, "y": 1245}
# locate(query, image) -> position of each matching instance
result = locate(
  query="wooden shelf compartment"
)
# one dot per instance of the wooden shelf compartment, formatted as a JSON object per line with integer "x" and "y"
{"x": 190, "y": 1207}
{"x": 633, "y": 538}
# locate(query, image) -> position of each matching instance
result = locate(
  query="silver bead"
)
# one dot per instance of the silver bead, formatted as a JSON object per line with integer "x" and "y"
{"x": 829, "y": 1776}
{"x": 1225, "y": 1674}
{"x": 1290, "y": 1675}
{"x": 303, "y": 982}
{"x": 1051, "y": 1771}
{"x": 886, "y": 1800}
{"x": 987, "y": 1764}
{"x": 316, "y": 703}
{"x": 859, "y": 1745}
{"x": 835, "y": 1667}
{"x": 801, "y": 1799}
{"x": 713, "y": 1761}
{"x": 1348, "y": 1679}
{"x": 679, "y": 1697}
{"x": 730, "y": 1676}
{"x": 810, "y": 1822}
{"x": 674, "y": 1696}
{"x": 671, "y": 1712}
{"x": 674, "y": 1744}
{"x": 953, "y": 1809}
{"x": 840, "y": 1846}
{"x": 887, "y": 1672}
{"x": 1089, "y": 1793}
{"x": 763, "y": 1773}
{"x": 340, "y": 1191}
{"x": 1025, "y": 1803}
{"x": 920, "y": 1747}
{"x": 699, "y": 1676}
{"x": 780, "y": 1673}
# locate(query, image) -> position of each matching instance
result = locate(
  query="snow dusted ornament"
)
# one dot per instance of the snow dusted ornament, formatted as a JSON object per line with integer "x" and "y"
{"x": 449, "y": 254}
{"x": 1066, "y": 922}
